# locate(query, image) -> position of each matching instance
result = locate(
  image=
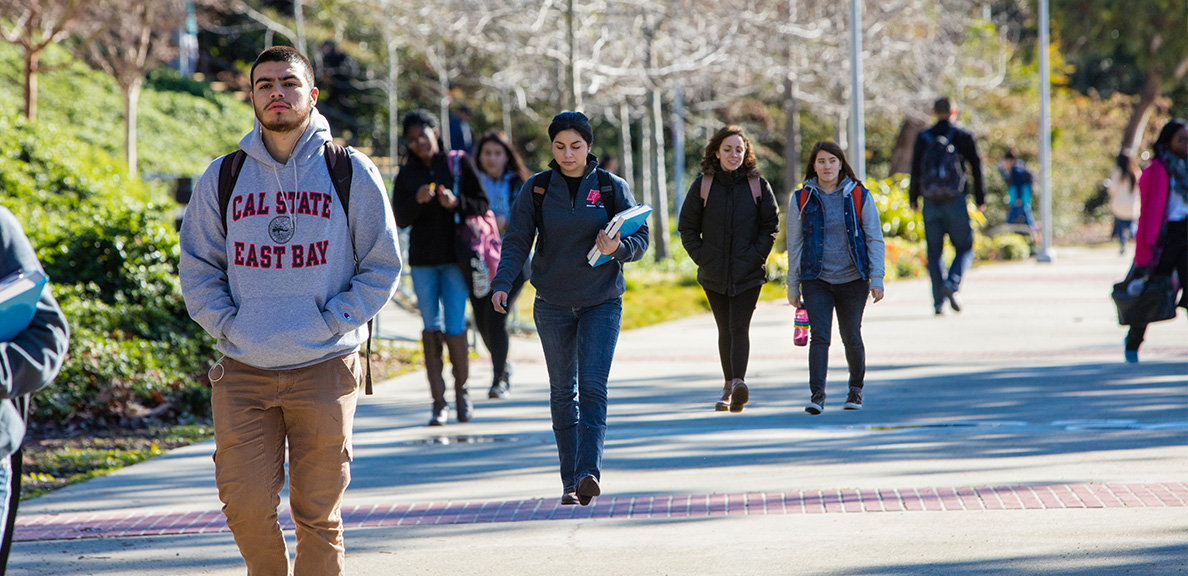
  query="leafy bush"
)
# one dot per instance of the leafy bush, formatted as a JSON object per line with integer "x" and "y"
{"x": 112, "y": 260}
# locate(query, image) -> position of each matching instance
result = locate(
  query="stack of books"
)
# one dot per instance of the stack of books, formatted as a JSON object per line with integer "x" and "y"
{"x": 19, "y": 293}
{"x": 626, "y": 223}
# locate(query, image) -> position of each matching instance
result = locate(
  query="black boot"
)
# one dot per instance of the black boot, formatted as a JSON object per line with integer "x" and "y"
{"x": 432, "y": 340}
{"x": 459, "y": 350}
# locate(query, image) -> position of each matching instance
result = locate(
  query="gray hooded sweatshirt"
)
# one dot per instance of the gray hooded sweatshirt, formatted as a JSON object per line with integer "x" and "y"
{"x": 279, "y": 289}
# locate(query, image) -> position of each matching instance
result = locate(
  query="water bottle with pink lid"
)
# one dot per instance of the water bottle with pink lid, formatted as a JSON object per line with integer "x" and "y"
{"x": 800, "y": 331}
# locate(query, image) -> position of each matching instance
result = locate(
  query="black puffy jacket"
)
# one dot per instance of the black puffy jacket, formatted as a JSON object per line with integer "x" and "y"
{"x": 730, "y": 236}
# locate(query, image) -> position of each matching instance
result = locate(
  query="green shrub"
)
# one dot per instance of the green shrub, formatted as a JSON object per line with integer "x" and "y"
{"x": 112, "y": 259}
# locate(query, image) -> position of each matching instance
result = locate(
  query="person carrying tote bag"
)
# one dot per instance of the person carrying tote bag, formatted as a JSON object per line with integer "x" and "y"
{"x": 1161, "y": 243}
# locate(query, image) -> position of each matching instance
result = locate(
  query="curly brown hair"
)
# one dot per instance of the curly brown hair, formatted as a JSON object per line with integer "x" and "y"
{"x": 710, "y": 164}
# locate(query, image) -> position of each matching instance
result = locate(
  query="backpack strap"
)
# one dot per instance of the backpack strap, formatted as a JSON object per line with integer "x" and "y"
{"x": 228, "y": 174}
{"x": 540, "y": 185}
{"x": 857, "y": 200}
{"x": 800, "y": 197}
{"x": 342, "y": 171}
{"x": 606, "y": 191}
{"x": 338, "y": 163}
{"x": 752, "y": 183}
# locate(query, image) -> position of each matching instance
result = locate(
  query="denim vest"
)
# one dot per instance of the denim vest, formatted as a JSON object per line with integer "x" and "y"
{"x": 813, "y": 229}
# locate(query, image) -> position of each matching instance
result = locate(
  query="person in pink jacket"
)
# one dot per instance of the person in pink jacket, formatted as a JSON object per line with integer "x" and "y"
{"x": 1161, "y": 243}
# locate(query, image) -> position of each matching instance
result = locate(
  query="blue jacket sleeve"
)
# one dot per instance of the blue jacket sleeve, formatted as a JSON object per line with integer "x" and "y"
{"x": 33, "y": 359}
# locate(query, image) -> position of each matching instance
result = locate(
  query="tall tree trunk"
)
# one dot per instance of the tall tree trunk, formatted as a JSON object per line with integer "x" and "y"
{"x": 32, "y": 65}
{"x": 627, "y": 162}
{"x": 645, "y": 163}
{"x": 299, "y": 24}
{"x": 131, "y": 99}
{"x": 678, "y": 146}
{"x": 660, "y": 196}
{"x": 905, "y": 142}
{"x": 792, "y": 169}
{"x": 1132, "y": 137}
{"x": 393, "y": 101}
{"x": 574, "y": 95}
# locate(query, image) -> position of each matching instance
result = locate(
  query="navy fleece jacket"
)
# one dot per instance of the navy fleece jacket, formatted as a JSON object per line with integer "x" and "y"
{"x": 569, "y": 224}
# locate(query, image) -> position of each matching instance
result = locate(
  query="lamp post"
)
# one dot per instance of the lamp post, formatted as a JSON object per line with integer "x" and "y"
{"x": 1046, "y": 253}
{"x": 857, "y": 120}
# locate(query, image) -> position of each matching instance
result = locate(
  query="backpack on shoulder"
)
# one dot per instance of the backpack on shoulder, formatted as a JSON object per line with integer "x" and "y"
{"x": 477, "y": 240}
{"x": 338, "y": 164}
{"x": 801, "y": 199}
{"x": 708, "y": 182}
{"x": 942, "y": 172}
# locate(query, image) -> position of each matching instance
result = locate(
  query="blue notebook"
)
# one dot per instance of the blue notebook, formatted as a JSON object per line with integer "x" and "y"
{"x": 19, "y": 293}
{"x": 625, "y": 223}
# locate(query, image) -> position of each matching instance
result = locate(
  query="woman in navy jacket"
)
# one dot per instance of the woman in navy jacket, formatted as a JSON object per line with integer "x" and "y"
{"x": 728, "y": 231}
{"x": 578, "y": 308}
{"x": 835, "y": 258}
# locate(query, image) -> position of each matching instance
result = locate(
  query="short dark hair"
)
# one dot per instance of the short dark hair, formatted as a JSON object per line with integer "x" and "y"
{"x": 571, "y": 121}
{"x": 832, "y": 148}
{"x": 1011, "y": 154}
{"x": 942, "y": 107}
{"x": 418, "y": 118}
{"x": 710, "y": 164}
{"x": 283, "y": 54}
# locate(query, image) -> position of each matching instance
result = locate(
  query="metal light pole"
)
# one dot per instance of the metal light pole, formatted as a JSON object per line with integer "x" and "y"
{"x": 1045, "y": 254}
{"x": 857, "y": 120}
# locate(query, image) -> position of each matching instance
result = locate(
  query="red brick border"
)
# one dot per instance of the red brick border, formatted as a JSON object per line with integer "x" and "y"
{"x": 846, "y": 501}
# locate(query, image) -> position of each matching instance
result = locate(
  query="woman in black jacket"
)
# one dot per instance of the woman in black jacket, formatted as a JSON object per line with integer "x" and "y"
{"x": 728, "y": 225}
{"x": 432, "y": 191}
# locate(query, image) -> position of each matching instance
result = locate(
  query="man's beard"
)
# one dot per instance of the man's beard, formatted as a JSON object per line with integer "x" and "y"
{"x": 280, "y": 125}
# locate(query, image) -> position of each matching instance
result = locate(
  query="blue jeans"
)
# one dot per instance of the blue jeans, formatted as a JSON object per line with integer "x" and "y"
{"x": 579, "y": 344}
{"x": 950, "y": 218}
{"x": 441, "y": 288}
{"x": 1023, "y": 213}
{"x": 5, "y": 490}
{"x": 821, "y": 299}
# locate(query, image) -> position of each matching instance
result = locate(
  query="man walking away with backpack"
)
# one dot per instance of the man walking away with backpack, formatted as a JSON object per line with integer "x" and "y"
{"x": 284, "y": 261}
{"x": 938, "y": 175}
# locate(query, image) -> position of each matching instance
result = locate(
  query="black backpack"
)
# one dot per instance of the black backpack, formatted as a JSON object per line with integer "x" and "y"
{"x": 338, "y": 163}
{"x": 540, "y": 184}
{"x": 942, "y": 172}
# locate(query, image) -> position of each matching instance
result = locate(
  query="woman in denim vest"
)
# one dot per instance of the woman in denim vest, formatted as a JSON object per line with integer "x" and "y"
{"x": 835, "y": 258}
{"x": 578, "y": 307}
{"x": 728, "y": 231}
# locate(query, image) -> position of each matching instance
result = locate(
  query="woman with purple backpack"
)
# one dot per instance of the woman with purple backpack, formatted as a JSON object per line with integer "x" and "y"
{"x": 429, "y": 197}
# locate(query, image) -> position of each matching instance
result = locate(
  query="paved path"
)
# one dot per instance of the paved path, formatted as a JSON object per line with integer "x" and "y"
{"x": 1008, "y": 439}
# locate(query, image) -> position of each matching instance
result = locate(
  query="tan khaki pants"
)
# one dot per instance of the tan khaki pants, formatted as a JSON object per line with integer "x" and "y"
{"x": 255, "y": 412}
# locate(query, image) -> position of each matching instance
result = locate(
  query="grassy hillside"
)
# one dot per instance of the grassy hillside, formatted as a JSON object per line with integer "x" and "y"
{"x": 183, "y": 125}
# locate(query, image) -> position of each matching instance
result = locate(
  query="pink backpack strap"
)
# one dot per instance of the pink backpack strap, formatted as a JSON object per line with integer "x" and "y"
{"x": 753, "y": 182}
{"x": 706, "y": 182}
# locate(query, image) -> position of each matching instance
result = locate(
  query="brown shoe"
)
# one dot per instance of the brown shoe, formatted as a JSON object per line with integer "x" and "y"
{"x": 724, "y": 404}
{"x": 739, "y": 396}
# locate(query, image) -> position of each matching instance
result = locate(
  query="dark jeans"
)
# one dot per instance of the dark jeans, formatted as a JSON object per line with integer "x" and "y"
{"x": 1173, "y": 256}
{"x": 950, "y": 218}
{"x": 821, "y": 299}
{"x": 579, "y": 344}
{"x": 492, "y": 326}
{"x": 733, "y": 316}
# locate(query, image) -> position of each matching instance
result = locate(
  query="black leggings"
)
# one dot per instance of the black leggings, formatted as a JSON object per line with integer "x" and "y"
{"x": 492, "y": 326}
{"x": 733, "y": 316}
{"x": 1173, "y": 256}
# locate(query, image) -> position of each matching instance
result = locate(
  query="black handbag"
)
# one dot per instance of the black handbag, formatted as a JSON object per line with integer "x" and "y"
{"x": 1155, "y": 303}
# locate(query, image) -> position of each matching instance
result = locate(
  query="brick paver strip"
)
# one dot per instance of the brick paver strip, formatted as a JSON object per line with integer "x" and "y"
{"x": 38, "y": 527}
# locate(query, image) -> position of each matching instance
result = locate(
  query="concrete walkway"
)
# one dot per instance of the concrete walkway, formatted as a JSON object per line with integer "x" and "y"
{"x": 1007, "y": 439}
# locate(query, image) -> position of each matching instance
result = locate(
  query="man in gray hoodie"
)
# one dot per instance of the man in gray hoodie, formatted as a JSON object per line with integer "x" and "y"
{"x": 286, "y": 283}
